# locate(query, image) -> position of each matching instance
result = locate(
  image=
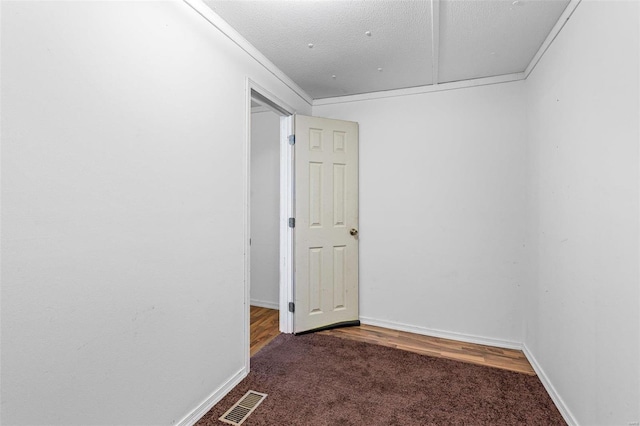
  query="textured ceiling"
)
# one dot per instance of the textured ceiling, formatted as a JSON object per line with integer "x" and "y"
{"x": 485, "y": 38}
{"x": 373, "y": 45}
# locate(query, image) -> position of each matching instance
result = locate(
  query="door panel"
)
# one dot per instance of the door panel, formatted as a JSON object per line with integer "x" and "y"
{"x": 326, "y": 210}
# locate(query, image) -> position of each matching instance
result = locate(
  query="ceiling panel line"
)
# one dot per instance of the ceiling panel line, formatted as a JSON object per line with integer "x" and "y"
{"x": 564, "y": 18}
{"x": 221, "y": 25}
{"x": 470, "y": 42}
{"x": 435, "y": 39}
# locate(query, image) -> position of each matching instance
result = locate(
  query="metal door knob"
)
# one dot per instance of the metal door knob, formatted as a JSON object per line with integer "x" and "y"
{"x": 353, "y": 232}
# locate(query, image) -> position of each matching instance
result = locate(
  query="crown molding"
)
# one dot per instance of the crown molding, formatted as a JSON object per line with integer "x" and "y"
{"x": 207, "y": 13}
{"x": 507, "y": 78}
{"x": 564, "y": 17}
{"x": 221, "y": 25}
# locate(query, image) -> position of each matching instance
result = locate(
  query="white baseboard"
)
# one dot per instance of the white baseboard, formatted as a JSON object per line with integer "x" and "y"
{"x": 265, "y": 304}
{"x": 202, "y": 409}
{"x": 480, "y": 340}
{"x": 551, "y": 390}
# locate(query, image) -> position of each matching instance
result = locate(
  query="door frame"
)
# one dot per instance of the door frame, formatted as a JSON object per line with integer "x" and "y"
{"x": 287, "y": 206}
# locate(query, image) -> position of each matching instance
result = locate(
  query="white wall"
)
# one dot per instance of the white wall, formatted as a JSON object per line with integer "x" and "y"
{"x": 582, "y": 322}
{"x": 442, "y": 210}
{"x": 265, "y": 209}
{"x": 123, "y": 132}
{"x": 123, "y": 128}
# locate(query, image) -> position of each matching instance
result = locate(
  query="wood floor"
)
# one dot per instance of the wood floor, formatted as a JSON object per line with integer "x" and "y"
{"x": 264, "y": 327}
{"x": 506, "y": 359}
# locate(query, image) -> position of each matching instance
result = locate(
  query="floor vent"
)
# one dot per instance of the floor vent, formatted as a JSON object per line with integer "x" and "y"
{"x": 241, "y": 409}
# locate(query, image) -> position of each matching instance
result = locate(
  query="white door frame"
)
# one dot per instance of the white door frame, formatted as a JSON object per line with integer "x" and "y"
{"x": 286, "y": 209}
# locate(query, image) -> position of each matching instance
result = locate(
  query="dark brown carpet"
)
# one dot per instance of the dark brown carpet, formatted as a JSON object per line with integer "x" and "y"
{"x": 323, "y": 380}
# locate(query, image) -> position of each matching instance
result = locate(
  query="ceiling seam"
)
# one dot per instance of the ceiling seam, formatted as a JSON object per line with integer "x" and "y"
{"x": 435, "y": 41}
{"x": 553, "y": 34}
{"x": 206, "y": 12}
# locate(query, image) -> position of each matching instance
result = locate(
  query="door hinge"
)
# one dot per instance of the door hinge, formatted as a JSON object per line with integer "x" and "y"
{"x": 292, "y": 222}
{"x": 292, "y": 139}
{"x": 292, "y": 307}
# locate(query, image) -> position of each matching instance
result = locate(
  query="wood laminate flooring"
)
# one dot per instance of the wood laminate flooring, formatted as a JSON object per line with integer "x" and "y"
{"x": 265, "y": 326}
{"x": 506, "y": 359}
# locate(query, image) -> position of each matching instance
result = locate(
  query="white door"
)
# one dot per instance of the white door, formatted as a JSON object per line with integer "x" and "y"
{"x": 326, "y": 227}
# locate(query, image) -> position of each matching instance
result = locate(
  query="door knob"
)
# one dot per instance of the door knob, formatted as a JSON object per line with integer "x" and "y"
{"x": 353, "y": 232}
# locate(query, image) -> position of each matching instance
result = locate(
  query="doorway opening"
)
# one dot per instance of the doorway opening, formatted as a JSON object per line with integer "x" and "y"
{"x": 268, "y": 267}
